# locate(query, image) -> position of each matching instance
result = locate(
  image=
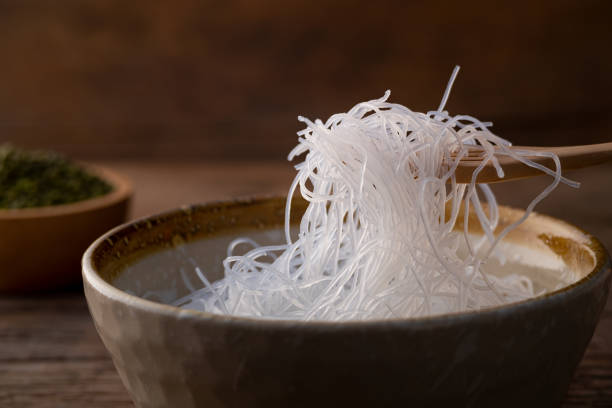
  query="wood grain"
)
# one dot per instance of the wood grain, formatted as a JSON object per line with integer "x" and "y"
{"x": 51, "y": 356}
{"x": 227, "y": 79}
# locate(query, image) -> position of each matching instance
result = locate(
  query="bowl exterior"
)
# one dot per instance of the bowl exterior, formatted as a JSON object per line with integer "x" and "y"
{"x": 502, "y": 358}
{"x": 517, "y": 355}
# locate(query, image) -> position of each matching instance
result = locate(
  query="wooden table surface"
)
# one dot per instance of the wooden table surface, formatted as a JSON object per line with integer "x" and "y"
{"x": 51, "y": 356}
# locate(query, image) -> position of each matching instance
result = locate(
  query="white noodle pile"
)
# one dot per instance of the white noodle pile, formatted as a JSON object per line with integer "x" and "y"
{"x": 374, "y": 242}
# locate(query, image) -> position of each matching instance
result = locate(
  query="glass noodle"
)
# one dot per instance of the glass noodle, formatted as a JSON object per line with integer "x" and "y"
{"x": 377, "y": 239}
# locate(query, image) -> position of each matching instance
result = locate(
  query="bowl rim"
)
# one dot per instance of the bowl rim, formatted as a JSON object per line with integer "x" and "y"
{"x": 97, "y": 283}
{"x": 122, "y": 190}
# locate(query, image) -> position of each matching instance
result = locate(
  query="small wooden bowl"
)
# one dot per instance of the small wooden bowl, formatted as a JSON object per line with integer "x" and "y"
{"x": 41, "y": 248}
{"x": 520, "y": 354}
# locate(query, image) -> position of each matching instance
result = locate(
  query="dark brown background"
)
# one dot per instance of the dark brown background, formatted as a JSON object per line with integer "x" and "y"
{"x": 197, "y": 101}
{"x": 226, "y": 79}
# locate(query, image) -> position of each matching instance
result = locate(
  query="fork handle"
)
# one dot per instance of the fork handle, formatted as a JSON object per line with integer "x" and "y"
{"x": 577, "y": 157}
{"x": 571, "y": 157}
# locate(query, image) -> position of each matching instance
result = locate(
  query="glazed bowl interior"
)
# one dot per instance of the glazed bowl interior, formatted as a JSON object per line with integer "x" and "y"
{"x": 155, "y": 259}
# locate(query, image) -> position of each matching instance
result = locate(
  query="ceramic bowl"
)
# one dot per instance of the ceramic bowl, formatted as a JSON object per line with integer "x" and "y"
{"x": 41, "y": 248}
{"x": 507, "y": 356}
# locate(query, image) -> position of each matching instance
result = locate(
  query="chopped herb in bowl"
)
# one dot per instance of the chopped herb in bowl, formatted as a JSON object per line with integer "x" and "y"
{"x": 37, "y": 178}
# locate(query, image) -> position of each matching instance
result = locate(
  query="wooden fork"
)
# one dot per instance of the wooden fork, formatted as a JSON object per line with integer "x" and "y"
{"x": 571, "y": 157}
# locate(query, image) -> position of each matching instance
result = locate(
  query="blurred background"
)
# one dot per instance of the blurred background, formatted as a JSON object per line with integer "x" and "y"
{"x": 225, "y": 80}
{"x": 197, "y": 100}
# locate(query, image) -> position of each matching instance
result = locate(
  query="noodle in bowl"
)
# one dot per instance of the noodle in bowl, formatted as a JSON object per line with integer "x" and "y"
{"x": 386, "y": 283}
{"x": 378, "y": 238}
{"x": 172, "y": 356}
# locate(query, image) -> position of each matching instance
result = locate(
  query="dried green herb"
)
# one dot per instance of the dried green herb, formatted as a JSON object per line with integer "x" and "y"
{"x": 36, "y": 179}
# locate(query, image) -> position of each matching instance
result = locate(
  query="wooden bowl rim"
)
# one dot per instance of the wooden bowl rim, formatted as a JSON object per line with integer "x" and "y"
{"x": 122, "y": 190}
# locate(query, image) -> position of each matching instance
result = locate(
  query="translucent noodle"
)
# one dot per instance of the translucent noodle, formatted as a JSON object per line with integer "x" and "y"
{"x": 377, "y": 239}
